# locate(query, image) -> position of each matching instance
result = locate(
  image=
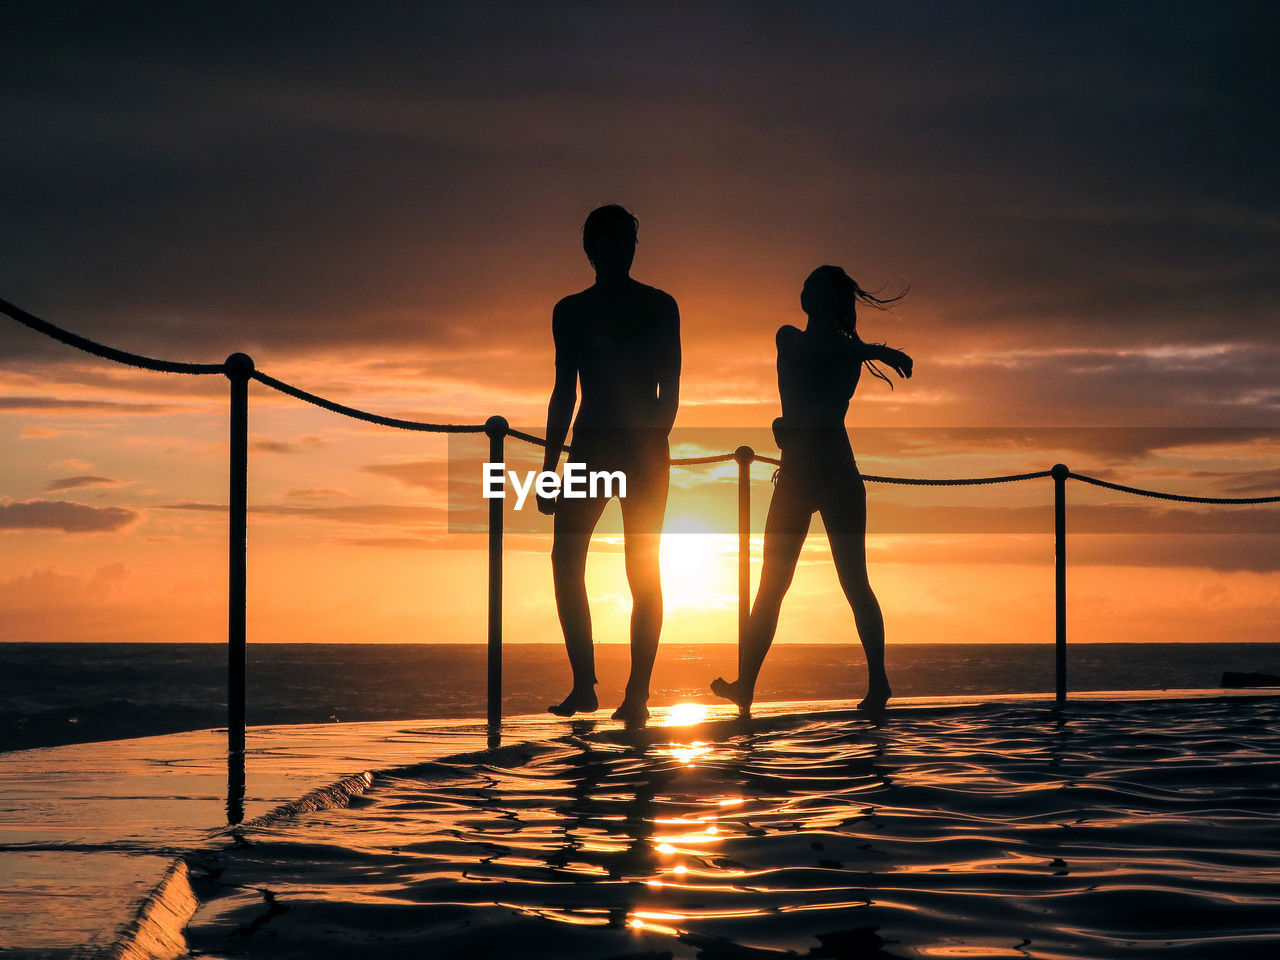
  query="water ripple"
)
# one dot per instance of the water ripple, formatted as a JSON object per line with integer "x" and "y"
{"x": 1150, "y": 829}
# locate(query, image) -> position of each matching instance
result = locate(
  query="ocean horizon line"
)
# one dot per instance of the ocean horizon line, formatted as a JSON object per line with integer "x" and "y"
{"x": 559, "y": 644}
{"x": 64, "y": 692}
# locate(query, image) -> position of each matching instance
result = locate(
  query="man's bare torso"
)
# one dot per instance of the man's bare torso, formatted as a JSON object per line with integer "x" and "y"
{"x": 623, "y": 339}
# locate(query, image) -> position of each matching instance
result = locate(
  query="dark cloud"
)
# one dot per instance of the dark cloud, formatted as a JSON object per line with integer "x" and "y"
{"x": 1137, "y": 517}
{"x": 1207, "y": 385}
{"x": 317, "y": 493}
{"x": 1260, "y": 483}
{"x": 1044, "y": 444}
{"x": 418, "y": 473}
{"x": 72, "y": 483}
{"x": 302, "y": 445}
{"x": 65, "y": 516}
{"x": 414, "y": 176}
{"x": 1225, "y": 553}
{"x": 69, "y": 367}
{"x": 87, "y": 407}
{"x": 379, "y": 513}
{"x": 1082, "y": 518}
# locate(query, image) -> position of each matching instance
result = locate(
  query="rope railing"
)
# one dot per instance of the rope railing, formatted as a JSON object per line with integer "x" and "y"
{"x": 529, "y": 438}
{"x": 357, "y": 414}
{"x": 1179, "y": 497}
{"x": 956, "y": 481}
{"x": 239, "y": 370}
{"x": 694, "y": 461}
{"x": 101, "y": 350}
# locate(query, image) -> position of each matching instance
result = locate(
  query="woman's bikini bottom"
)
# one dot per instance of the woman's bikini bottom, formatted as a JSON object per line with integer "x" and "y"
{"x": 817, "y": 464}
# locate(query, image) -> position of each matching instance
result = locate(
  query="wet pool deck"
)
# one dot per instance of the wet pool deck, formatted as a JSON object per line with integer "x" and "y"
{"x": 88, "y": 830}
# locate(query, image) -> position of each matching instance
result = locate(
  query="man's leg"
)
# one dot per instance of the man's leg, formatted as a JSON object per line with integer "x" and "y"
{"x": 643, "y": 510}
{"x": 574, "y": 521}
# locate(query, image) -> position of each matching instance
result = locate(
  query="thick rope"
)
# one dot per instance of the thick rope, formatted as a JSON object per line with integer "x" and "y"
{"x": 957, "y": 481}
{"x": 688, "y": 461}
{"x": 1180, "y": 497}
{"x": 364, "y": 414}
{"x": 928, "y": 482}
{"x": 101, "y": 350}
{"x": 530, "y": 438}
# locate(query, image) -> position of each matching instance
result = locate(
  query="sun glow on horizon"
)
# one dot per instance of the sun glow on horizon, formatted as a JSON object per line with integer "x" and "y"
{"x": 698, "y": 566}
{"x": 685, "y": 714}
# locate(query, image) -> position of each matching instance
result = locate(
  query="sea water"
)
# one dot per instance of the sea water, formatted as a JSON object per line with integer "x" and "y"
{"x": 67, "y": 693}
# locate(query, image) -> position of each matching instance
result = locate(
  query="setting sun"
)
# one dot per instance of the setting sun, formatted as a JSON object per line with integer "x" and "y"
{"x": 698, "y": 567}
{"x": 685, "y": 714}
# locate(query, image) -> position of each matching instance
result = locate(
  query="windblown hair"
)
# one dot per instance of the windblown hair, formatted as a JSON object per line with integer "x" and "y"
{"x": 848, "y": 295}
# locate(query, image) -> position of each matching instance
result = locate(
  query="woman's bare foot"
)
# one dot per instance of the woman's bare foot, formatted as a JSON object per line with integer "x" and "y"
{"x": 632, "y": 713}
{"x": 578, "y": 701}
{"x": 877, "y": 697}
{"x": 733, "y": 692}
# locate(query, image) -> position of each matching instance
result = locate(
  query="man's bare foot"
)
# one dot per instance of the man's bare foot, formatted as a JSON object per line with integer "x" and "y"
{"x": 733, "y": 692}
{"x": 578, "y": 701}
{"x": 877, "y": 697}
{"x": 632, "y": 713}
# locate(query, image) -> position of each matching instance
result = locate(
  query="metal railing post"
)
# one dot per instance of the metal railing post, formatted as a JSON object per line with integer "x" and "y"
{"x": 744, "y": 455}
{"x": 496, "y": 428}
{"x": 1060, "y": 472}
{"x": 238, "y": 368}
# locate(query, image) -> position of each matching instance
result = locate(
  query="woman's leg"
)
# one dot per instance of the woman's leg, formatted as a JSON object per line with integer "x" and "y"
{"x": 574, "y": 521}
{"x": 784, "y": 533}
{"x": 845, "y": 517}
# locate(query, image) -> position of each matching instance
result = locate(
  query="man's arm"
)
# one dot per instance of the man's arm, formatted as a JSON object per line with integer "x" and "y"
{"x": 669, "y": 368}
{"x": 564, "y": 396}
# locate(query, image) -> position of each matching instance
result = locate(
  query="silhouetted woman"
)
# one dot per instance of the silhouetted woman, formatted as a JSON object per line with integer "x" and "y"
{"x": 818, "y": 370}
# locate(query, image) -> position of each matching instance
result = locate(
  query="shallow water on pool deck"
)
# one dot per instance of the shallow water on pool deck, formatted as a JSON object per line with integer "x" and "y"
{"x": 1122, "y": 830}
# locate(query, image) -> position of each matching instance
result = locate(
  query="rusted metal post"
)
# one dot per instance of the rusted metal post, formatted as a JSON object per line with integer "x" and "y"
{"x": 744, "y": 455}
{"x": 238, "y": 368}
{"x": 496, "y": 428}
{"x": 1060, "y": 473}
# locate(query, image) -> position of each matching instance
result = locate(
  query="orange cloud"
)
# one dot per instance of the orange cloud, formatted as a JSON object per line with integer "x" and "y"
{"x": 72, "y": 483}
{"x": 57, "y": 405}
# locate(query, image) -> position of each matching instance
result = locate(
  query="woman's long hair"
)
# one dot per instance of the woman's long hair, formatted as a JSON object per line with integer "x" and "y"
{"x": 848, "y": 295}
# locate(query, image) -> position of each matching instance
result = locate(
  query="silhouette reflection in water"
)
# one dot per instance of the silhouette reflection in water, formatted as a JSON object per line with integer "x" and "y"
{"x": 235, "y": 787}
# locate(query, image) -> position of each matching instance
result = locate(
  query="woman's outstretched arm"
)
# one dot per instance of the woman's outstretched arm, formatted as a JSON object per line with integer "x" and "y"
{"x": 896, "y": 360}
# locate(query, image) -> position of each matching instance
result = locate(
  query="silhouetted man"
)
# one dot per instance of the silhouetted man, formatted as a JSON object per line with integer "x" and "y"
{"x": 621, "y": 340}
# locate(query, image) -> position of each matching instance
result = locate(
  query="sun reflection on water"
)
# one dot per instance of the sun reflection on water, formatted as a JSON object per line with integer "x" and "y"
{"x": 687, "y": 753}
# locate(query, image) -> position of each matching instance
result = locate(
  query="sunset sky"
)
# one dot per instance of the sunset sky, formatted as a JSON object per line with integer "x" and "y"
{"x": 381, "y": 203}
